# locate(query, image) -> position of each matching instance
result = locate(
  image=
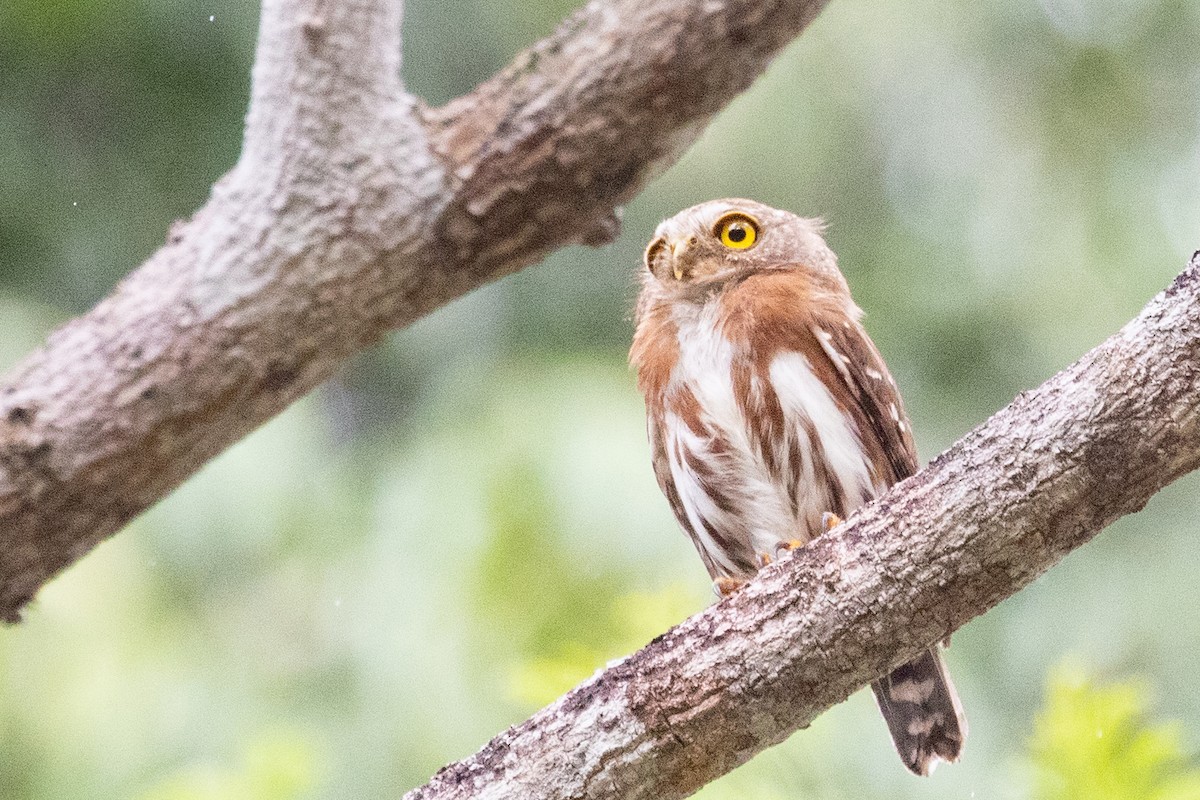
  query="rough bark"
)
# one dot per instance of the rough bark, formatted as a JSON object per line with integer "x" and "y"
{"x": 352, "y": 211}
{"x": 982, "y": 521}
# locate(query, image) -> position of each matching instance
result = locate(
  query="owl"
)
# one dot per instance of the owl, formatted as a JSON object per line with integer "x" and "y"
{"x": 771, "y": 415}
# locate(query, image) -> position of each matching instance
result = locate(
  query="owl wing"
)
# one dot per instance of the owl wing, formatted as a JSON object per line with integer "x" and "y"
{"x": 870, "y": 394}
{"x": 917, "y": 699}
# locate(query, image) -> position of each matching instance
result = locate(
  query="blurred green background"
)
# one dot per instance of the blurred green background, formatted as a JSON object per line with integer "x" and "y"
{"x": 464, "y": 523}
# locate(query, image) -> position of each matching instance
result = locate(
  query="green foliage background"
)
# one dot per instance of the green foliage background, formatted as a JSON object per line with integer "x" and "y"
{"x": 464, "y": 523}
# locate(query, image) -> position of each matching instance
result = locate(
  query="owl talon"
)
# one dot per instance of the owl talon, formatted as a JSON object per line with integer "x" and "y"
{"x": 829, "y": 521}
{"x": 789, "y": 546}
{"x": 724, "y": 587}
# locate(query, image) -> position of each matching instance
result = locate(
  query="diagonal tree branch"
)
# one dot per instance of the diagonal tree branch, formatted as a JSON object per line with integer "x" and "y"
{"x": 351, "y": 211}
{"x": 984, "y": 519}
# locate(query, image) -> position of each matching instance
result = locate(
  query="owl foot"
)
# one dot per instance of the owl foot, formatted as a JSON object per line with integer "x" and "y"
{"x": 829, "y": 521}
{"x": 724, "y": 587}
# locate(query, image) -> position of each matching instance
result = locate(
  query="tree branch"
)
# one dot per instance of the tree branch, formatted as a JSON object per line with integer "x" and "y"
{"x": 983, "y": 520}
{"x": 351, "y": 211}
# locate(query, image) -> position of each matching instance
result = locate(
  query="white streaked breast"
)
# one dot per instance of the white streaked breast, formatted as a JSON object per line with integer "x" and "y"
{"x": 801, "y": 393}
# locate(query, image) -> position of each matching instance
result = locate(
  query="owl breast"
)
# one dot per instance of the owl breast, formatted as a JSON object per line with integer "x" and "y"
{"x": 755, "y": 446}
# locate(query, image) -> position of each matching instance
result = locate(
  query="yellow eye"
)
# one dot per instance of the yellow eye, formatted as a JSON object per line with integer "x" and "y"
{"x": 737, "y": 231}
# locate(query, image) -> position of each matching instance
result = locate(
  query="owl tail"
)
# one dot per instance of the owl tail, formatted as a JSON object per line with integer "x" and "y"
{"x": 922, "y": 711}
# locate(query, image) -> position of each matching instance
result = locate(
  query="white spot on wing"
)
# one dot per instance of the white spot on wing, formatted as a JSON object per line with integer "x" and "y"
{"x": 826, "y": 340}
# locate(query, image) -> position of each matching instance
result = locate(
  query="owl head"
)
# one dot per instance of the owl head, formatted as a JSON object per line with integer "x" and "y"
{"x": 704, "y": 246}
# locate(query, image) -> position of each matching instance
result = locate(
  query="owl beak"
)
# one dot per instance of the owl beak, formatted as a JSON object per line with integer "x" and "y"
{"x": 678, "y": 251}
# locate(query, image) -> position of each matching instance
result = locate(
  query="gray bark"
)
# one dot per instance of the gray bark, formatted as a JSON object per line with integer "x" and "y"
{"x": 984, "y": 519}
{"x": 352, "y": 210}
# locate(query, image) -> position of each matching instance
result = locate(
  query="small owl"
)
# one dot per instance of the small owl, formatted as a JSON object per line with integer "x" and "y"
{"x": 771, "y": 415}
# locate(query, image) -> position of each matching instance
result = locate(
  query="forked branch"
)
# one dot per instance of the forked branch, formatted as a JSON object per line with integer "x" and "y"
{"x": 351, "y": 212}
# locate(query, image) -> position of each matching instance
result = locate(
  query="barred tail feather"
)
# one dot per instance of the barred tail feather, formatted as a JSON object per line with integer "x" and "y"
{"x": 922, "y": 711}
